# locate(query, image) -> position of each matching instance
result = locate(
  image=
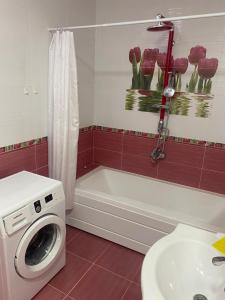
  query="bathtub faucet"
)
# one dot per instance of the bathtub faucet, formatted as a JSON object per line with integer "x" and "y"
{"x": 218, "y": 260}
{"x": 157, "y": 153}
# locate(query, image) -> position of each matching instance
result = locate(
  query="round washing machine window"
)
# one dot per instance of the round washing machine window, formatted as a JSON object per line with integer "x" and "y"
{"x": 40, "y": 246}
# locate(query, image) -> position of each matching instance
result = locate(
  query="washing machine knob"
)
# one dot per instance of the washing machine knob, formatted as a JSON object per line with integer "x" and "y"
{"x": 37, "y": 206}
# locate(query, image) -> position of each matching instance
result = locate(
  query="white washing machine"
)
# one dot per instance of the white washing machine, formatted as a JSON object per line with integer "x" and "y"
{"x": 32, "y": 234}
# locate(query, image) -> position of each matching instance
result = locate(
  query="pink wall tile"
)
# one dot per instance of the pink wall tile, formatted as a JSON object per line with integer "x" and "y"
{"x": 182, "y": 174}
{"x": 107, "y": 158}
{"x": 183, "y": 163}
{"x": 138, "y": 145}
{"x": 213, "y": 181}
{"x": 85, "y": 140}
{"x": 18, "y": 160}
{"x": 43, "y": 171}
{"x": 81, "y": 172}
{"x": 187, "y": 154}
{"x": 85, "y": 158}
{"x": 32, "y": 158}
{"x": 4, "y": 165}
{"x": 42, "y": 155}
{"x": 214, "y": 159}
{"x": 139, "y": 164}
{"x": 108, "y": 140}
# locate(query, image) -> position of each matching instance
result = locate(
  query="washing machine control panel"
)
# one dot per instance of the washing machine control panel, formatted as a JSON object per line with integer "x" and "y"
{"x": 37, "y": 206}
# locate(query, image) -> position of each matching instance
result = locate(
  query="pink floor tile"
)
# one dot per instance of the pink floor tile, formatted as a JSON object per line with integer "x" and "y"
{"x": 99, "y": 284}
{"x": 71, "y": 232}
{"x": 75, "y": 268}
{"x": 121, "y": 260}
{"x": 137, "y": 277}
{"x": 87, "y": 246}
{"x": 49, "y": 293}
{"x": 133, "y": 293}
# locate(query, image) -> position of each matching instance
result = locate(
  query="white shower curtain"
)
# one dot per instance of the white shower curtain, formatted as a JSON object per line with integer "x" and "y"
{"x": 63, "y": 112}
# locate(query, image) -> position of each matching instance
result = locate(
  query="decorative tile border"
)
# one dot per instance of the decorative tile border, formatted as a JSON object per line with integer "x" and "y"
{"x": 153, "y": 136}
{"x": 23, "y": 145}
{"x": 85, "y": 129}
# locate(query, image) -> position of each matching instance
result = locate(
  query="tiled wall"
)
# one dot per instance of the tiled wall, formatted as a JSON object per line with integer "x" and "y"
{"x": 193, "y": 163}
{"x": 85, "y": 162}
{"x": 189, "y": 162}
{"x": 30, "y": 156}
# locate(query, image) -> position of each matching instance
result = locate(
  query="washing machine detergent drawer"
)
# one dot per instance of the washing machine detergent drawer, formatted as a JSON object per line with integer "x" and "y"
{"x": 17, "y": 220}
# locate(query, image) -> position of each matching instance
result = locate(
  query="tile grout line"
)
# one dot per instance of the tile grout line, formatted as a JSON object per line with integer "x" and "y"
{"x": 92, "y": 147}
{"x": 116, "y": 274}
{"x": 67, "y": 243}
{"x": 201, "y": 173}
{"x": 78, "y": 256}
{"x": 35, "y": 157}
{"x": 79, "y": 281}
{"x": 122, "y": 150}
{"x": 55, "y": 288}
{"x": 92, "y": 262}
{"x": 87, "y": 149}
{"x": 129, "y": 285}
{"x": 103, "y": 252}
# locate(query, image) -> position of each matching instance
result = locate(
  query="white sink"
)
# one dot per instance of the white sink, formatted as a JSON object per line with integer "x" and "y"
{"x": 179, "y": 266}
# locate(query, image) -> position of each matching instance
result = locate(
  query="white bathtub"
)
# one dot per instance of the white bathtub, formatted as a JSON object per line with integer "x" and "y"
{"x": 136, "y": 211}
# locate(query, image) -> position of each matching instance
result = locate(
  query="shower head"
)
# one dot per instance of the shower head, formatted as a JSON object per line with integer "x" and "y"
{"x": 161, "y": 26}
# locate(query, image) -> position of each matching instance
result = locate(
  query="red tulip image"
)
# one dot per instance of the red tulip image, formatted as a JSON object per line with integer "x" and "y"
{"x": 207, "y": 67}
{"x": 161, "y": 60}
{"x": 196, "y": 53}
{"x": 135, "y": 52}
{"x": 148, "y": 67}
{"x": 180, "y": 65}
{"x": 150, "y": 54}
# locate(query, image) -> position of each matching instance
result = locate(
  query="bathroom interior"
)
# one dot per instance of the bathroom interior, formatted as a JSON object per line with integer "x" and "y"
{"x": 112, "y": 150}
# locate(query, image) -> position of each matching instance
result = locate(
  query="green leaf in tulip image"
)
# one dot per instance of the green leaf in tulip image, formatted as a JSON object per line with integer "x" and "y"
{"x": 159, "y": 85}
{"x": 200, "y": 85}
{"x": 209, "y": 86}
{"x": 180, "y": 105}
{"x": 202, "y": 109}
{"x": 131, "y": 98}
{"x": 150, "y": 102}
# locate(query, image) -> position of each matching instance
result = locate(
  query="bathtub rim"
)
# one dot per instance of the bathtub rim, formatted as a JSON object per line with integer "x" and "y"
{"x": 105, "y": 198}
{"x": 99, "y": 168}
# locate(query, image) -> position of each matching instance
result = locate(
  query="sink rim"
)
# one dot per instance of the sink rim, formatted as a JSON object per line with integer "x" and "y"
{"x": 149, "y": 281}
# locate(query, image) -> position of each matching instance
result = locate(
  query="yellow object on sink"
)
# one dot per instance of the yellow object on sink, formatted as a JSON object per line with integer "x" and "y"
{"x": 220, "y": 245}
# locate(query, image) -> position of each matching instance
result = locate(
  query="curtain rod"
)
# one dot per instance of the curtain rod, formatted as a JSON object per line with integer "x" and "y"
{"x": 222, "y": 14}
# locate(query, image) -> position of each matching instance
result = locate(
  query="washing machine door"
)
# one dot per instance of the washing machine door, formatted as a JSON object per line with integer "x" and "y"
{"x": 40, "y": 246}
